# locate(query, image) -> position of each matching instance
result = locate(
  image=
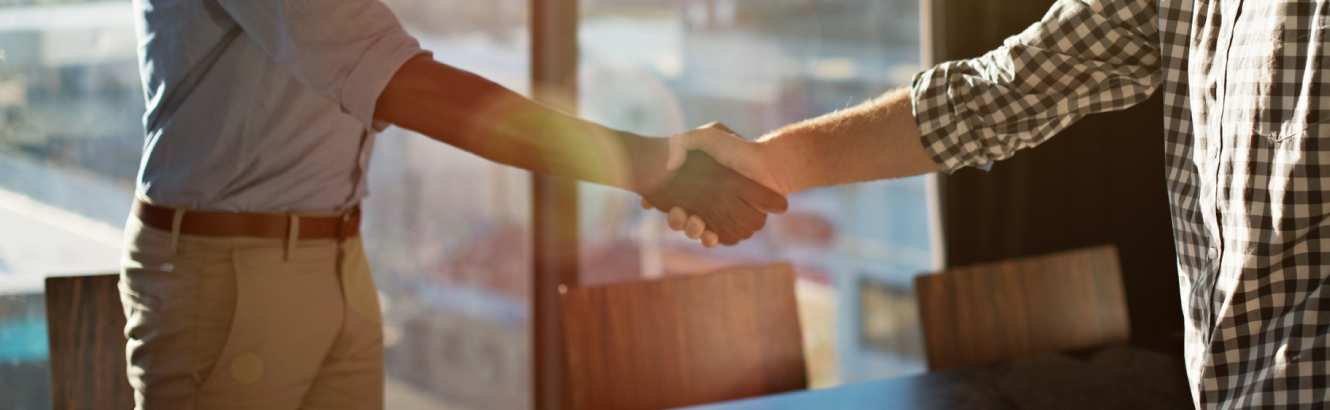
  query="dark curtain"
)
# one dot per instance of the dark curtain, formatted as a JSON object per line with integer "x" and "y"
{"x": 1099, "y": 181}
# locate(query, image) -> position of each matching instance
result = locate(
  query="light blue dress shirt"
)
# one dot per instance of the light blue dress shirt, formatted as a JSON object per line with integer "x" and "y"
{"x": 263, "y": 105}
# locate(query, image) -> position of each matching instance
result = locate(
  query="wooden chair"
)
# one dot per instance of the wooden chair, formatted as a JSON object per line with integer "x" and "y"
{"x": 87, "y": 342}
{"x": 683, "y": 340}
{"x": 992, "y": 312}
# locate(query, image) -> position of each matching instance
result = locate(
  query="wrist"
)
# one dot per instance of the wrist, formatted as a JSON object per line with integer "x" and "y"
{"x": 783, "y": 163}
{"x": 646, "y": 158}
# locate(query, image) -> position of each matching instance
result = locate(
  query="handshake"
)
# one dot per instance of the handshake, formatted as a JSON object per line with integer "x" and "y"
{"x": 718, "y": 187}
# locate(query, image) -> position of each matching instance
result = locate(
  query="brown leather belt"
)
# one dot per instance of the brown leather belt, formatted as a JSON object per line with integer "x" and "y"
{"x": 257, "y": 225}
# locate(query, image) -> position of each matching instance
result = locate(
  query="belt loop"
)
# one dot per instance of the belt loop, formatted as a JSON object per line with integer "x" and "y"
{"x": 177, "y": 219}
{"x": 342, "y": 221}
{"x": 292, "y": 234}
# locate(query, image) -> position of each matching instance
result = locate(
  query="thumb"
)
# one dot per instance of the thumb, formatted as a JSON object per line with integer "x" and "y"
{"x": 678, "y": 151}
{"x": 707, "y": 138}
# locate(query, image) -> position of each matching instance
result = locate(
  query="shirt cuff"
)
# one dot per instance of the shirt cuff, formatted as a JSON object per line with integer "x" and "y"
{"x": 946, "y": 138}
{"x": 372, "y": 74}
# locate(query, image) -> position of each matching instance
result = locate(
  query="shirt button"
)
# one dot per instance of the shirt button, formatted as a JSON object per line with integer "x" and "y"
{"x": 1212, "y": 253}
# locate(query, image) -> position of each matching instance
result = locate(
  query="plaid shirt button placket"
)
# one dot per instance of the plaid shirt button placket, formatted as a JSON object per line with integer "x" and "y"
{"x": 1245, "y": 102}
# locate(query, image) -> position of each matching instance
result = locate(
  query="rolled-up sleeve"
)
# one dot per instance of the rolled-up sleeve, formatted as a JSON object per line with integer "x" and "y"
{"x": 1083, "y": 57}
{"x": 343, "y": 50}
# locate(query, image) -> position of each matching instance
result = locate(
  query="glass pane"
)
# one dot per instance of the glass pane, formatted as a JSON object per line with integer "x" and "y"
{"x": 658, "y": 67}
{"x": 70, "y": 139}
{"x": 448, "y": 233}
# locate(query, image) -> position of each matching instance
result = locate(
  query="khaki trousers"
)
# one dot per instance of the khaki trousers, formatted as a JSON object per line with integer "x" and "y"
{"x": 245, "y": 323}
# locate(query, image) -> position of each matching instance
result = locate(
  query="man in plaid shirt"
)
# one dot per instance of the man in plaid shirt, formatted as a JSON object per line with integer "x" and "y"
{"x": 1247, "y": 99}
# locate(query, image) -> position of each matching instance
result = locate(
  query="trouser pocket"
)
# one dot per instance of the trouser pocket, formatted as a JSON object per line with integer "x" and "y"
{"x": 288, "y": 313}
{"x": 178, "y": 307}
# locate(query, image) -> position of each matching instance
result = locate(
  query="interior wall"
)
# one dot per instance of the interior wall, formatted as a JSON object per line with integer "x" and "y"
{"x": 1099, "y": 181}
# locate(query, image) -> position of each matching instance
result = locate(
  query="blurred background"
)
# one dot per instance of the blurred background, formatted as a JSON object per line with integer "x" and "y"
{"x": 449, "y": 233}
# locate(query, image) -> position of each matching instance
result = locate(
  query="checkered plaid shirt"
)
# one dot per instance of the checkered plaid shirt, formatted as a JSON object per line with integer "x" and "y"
{"x": 1247, "y": 101}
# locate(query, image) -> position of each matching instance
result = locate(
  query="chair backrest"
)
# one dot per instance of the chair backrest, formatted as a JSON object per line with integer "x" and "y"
{"x": 87, "y": 341}
{"x": 992, "y": 312}
{"x": 683, "y": 340}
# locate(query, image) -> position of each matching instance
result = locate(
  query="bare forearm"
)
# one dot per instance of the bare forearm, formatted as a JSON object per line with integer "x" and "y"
{"x": 476, "y": 115}
{"x": 469, "y": 112}
{"x": 874, "y": 140}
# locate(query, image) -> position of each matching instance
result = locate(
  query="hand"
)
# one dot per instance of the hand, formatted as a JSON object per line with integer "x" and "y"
{"x": 691, "y": 225}
{"x": 733, "y": 206}
{"x": 732, "y": 151}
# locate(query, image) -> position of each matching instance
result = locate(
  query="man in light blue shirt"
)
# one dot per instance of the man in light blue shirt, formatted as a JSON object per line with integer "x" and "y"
{"x": 252, "y": 108}
{"x": 244, "y": 281}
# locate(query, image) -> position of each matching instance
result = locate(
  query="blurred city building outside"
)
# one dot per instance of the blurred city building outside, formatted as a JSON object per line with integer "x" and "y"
{"x": 659, "y": 67}
{"x": 70, "y": 140}
{"x": 448, "y": 232}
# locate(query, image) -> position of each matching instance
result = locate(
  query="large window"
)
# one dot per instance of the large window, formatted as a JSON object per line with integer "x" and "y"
{"x": 449, "y": 233}
{"x": 658, "y": 67}
{"x": 70, "y": 138}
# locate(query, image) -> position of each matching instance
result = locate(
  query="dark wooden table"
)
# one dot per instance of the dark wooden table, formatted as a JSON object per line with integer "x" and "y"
{"x": 1114, "y": 377}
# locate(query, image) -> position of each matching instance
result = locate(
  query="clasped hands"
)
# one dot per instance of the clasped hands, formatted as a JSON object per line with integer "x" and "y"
{"x": 721, "y": 189}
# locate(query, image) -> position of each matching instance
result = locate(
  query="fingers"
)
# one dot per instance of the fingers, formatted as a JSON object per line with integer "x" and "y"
{"x": 708, "y": 201}
{"x": 679, "y": 218}
{"x": 710, "y": 240}
{"x": 676, "y": 218}
{"x": 750, "y": 220}
{"x": 724, "y": 221}
{"x": 729, "y": 241}
{"x": 694, "y": 227}
{"x": 764, "y": 199}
